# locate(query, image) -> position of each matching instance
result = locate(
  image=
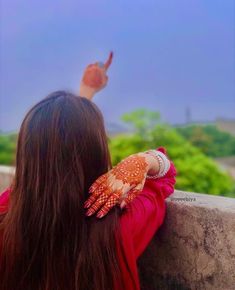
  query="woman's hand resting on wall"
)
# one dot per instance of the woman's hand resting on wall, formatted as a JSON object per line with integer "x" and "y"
{"x": 121, "y": 184}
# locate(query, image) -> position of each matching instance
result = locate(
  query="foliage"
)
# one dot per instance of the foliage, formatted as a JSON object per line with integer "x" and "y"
{"x": 7, "y": 149}
{"x": 196, "y": 172}
{"x": 209, "y": 139}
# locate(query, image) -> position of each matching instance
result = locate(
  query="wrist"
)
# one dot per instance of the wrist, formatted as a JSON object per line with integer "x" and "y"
{"x": 163, "y": 161}
{"x": 86, "y": 92}
{"x": 153, "y": 165}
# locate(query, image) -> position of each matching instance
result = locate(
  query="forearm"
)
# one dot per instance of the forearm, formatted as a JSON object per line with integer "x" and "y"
{"x": 86, "y": 92}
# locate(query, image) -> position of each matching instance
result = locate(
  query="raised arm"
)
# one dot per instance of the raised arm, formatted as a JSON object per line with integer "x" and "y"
{"x": 94, "y": 78}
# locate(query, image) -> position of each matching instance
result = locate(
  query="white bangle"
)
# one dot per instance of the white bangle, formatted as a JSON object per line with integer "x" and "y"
{"x": 164, "y": 163}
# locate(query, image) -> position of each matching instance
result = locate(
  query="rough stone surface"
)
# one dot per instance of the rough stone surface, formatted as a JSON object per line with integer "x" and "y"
{"x": 6, "y": 175}
{"x": 195, "y": 247}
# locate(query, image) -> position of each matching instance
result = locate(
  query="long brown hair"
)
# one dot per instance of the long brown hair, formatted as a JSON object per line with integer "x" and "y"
{"x": 48, "y": 243}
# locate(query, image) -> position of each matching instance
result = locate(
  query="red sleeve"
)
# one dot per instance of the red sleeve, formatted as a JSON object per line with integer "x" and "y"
{"x": 146, "y": 213}
{"x": 4, "y": 201}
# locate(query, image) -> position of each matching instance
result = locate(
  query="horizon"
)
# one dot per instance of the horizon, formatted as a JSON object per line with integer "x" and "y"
{"x": 122, "y": 127}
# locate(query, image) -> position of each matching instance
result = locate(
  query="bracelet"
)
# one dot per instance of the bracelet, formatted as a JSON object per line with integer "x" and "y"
{"x": 164, "y": 163}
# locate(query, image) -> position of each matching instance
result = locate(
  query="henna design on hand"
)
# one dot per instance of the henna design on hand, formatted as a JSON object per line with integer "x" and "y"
{"x": 124, "y": 182}
{"x": 131, "y": 170}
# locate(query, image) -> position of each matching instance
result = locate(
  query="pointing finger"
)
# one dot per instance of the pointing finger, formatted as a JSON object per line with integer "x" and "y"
{"x": 109, "y": 61}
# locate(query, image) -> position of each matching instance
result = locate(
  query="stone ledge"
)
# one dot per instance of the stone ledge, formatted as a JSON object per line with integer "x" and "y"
{"x": 6, "y": 175}
{"x": 194, "y": 248}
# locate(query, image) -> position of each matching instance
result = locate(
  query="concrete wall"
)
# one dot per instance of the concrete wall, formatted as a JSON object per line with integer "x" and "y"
{"x": 226, "y": 126}
{"x": 228, "y": 164}
{"x": 6, "y": 174}
{"x": 195, "y": 247}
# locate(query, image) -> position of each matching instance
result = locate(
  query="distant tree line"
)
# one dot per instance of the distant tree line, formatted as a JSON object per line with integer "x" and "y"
{"x": 209, "y": 139}
{"x": 191, "y": 149}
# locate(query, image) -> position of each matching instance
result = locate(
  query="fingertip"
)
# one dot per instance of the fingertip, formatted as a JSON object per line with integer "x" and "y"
{"x": 89, "y": 213}
{"x": 86, "y": 205}
{"x": 100, "y": 214}
{"x": 109, "y": 61}
{"x": 91, "y": 189}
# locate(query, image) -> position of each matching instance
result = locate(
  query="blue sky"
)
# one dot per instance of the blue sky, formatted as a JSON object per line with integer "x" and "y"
{"x": 169, "y": 55}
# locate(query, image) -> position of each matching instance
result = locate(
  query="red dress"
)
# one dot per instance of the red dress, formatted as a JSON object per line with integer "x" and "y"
{"x": 139, "y": 222}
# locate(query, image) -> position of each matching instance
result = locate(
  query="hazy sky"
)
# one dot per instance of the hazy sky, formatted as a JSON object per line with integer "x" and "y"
{"x": 168, "y": 55}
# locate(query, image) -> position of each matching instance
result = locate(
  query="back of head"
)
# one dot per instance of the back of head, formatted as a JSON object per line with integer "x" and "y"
{"x": 48, "y": 242}
{"x": 61, "y": 138}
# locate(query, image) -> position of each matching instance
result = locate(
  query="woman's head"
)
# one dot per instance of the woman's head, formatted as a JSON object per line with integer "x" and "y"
{"x": 48, "y": 242}
{"x": 62, "y": 138}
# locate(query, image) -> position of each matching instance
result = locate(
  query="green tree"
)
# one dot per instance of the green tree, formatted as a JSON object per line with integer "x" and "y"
{"x": 209, "y": 139}
{"x": 196, "y": 172}
{"x": 7, "y": 149}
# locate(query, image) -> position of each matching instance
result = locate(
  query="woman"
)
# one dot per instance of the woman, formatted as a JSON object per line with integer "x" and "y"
{"x": 47, "y": 239}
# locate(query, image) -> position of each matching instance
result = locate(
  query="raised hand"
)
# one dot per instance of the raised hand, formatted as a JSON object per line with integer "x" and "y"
{"x": 122, "y": 183}
{"x": 95, "y": 78}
